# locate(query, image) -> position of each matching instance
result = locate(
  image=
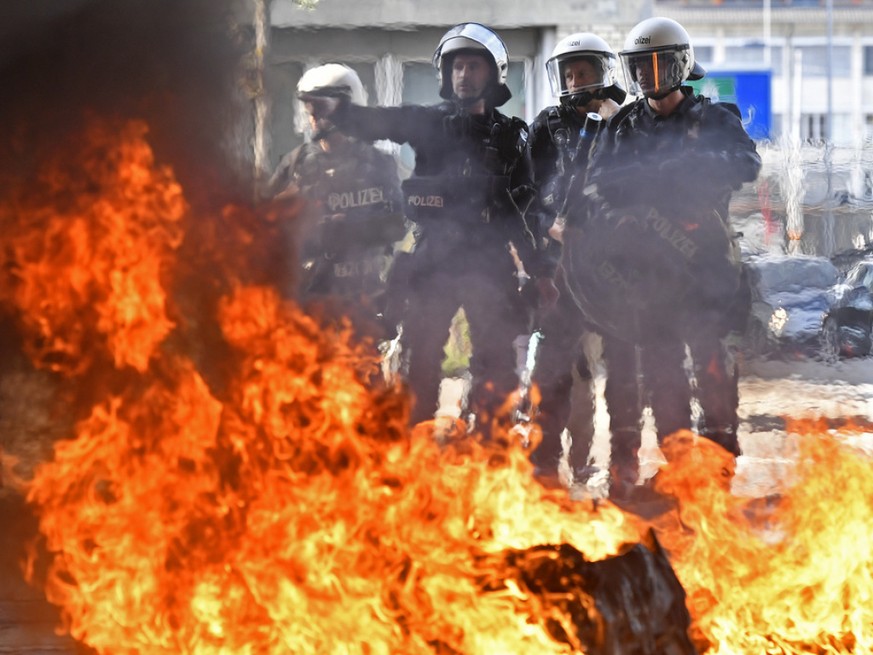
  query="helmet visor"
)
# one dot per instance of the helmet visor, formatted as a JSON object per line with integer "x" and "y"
{"x": 472, "y": 36}
{"x": 653, "y": 74}
{"x": 573, "y": 74}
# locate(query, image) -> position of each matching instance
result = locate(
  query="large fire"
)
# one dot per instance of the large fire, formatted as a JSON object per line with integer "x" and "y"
{"x": 290, "y": 509}
{"x": 89, "y": 245}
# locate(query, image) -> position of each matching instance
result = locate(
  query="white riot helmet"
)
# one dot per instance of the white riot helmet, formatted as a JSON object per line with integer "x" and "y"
{"x": 332, "y": 80}
{"x": 584, "y": 46}
{"x": 658, "y": 57}
{"x": 473, "y": 37}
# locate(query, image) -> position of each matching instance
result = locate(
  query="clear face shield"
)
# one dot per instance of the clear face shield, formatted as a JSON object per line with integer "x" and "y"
{"x": 654, "y": 74}
{"x": 571, "y": 74}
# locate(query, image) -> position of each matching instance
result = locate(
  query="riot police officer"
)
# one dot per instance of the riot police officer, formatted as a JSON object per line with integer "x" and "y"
{"x": 582, "y": 74}
{"x": 466, "y": 196}
{"x": 353, "y": 210}
{"x": 657, "y": 266}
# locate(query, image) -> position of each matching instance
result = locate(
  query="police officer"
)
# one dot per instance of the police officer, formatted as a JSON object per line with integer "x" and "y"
{"x": 353, "y": 211}
{"x": 582, "y": 74}
{"x": 466, "y": 196}
{"x": 664, "y": 268}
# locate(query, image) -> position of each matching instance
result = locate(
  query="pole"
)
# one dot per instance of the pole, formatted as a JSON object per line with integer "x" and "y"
{"x": 260, "y": 138}
{"x": 828, "y": 135}
{"x": 796, "y": 93}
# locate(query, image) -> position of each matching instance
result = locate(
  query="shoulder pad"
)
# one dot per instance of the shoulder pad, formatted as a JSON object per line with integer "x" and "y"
{"x": 549, "y": 119}
{"x": 554, "y": 114}
{"x": 543, "y": 119}
{"x": 513, "y": 122}
{"x": 516, "y": 133}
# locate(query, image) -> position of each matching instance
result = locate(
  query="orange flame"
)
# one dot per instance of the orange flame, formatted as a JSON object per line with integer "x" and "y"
{"x": 792, "y": 575}
{"x": 297, "y": 517}
{"x": 87, "y": 250}
{"x": 297, "y": 513}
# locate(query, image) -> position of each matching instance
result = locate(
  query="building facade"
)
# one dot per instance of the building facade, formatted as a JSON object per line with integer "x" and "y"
{"x": 790, "y": 38}
{"x": 390, "y": 44}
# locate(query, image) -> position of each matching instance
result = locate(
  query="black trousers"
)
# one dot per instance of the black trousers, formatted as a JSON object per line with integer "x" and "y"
{"x": 717, "y": 376}
{"x": 640, "y": 374}
{"x": 561, "y": 352}
{"x": 484, "y": 284}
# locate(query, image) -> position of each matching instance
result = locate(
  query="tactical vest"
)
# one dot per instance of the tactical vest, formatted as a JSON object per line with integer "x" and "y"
{"x": 637, "y": 268}
{"x": 473, "y": 161}
{"x": 352, "y": 218}
{"x": 352, "y": 204}
{"x": 572, "y": 146}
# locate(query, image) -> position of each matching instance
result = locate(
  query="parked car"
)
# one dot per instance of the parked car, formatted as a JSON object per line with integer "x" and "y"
{"x": 849, "y": 323}
{"x": 792, "y": 296}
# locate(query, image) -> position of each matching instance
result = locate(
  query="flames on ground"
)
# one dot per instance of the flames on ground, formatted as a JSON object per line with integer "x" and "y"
{"x": 284, "y": 506}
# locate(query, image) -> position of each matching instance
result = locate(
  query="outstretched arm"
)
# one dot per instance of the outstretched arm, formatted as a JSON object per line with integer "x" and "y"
{"x": 406, "y": 124}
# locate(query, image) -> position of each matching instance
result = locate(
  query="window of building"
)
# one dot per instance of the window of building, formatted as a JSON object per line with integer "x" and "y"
{"x": 753, "y": 54}
{"x": 515, "y": 82}
{"x": 420, "y": 87}
{"x": 812, "y": 127}
{"x": 868, "y": 60}
{"x": 420, "y": 84}
{"x": 841, "y": 129}
{"x": 703, "y": 53}
{"x": 367, "y": 72}
{"x": 815, "y": 61}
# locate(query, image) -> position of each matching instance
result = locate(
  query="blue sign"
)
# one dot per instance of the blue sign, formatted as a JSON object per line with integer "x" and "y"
{"x": 748, "y": 89}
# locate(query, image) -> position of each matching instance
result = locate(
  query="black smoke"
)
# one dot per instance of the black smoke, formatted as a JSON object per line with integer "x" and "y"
{"x": 174, "y": 63}
{"x": 184, "y": 68}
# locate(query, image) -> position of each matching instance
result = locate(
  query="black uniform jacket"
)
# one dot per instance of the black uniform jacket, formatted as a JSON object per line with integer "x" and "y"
{"x": 688, "y": 161}
{"x": 472, "y": 173}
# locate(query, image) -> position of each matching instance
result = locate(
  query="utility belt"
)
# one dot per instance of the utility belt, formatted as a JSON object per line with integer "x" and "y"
{"x": 462, "y": 199}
